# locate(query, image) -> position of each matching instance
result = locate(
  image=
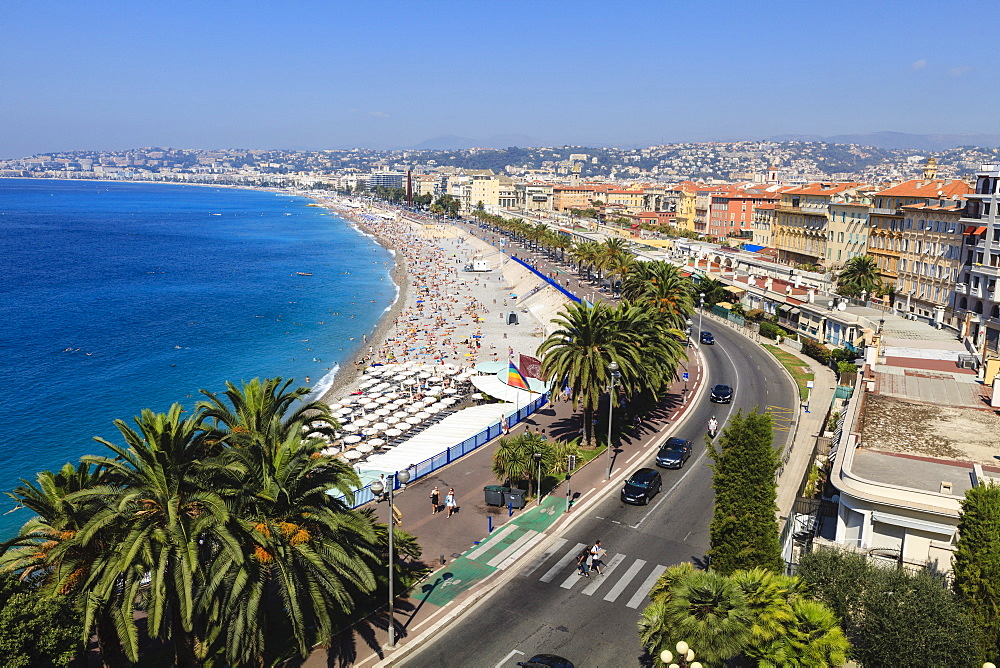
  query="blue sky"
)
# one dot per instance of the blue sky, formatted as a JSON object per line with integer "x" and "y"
{"x": 299, "y": 74}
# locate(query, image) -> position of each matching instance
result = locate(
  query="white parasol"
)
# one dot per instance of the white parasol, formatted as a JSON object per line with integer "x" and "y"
{"x": 393, "y": 432}
{"x": 353, "y": 438}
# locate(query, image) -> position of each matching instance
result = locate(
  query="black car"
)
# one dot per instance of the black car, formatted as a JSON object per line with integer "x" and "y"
{"x": 674, "y": 453}
{"x": 722, "y": 394}
{"x": 642, "y": 486}
{"x": 546, "y": 661}
{"x": 707, "y": 338}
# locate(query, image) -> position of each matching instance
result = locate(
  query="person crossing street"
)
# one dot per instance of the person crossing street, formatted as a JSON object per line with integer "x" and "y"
{"x": 596, "y": 557}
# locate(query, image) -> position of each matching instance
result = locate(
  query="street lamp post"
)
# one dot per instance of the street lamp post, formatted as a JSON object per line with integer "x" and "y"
{"x": 701, "y": 311}
{"x": 615, "y": 375}
{"x": 538, "y": 490}
{"x": 377, "y": 487}
{"x": 684, "y": 657}
{"x": 689, "y": 323}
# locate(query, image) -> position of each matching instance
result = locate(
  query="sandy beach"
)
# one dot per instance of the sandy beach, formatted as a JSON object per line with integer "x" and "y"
{"x": 446, "y": 314}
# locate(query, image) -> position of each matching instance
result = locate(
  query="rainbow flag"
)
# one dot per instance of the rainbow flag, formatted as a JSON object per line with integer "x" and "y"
{"x": 515, "y": 379}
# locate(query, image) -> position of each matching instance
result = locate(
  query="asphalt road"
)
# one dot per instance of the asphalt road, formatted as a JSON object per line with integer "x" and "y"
{"x": 548, "y": 608}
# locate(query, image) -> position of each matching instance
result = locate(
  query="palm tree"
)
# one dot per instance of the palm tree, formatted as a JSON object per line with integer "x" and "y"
{"x": 262, "y": 412}
{"x": 705, "y": 609}
{"x": 714, "y": 291}
{"x": 158, "y": 527}
{"x": 860, "y": 275}
{"x": 662, "y": 286}
{"x": 587, "y": 339}
{"x": 814, "y": 638}
{"x": 309, "y": 558}
{"x": 769, "y": 597}
{"x": 514, "y": 458}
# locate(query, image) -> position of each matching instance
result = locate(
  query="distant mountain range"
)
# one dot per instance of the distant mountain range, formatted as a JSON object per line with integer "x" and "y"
{"x": 902, "y": 140}
{"x": 887, "y": 140}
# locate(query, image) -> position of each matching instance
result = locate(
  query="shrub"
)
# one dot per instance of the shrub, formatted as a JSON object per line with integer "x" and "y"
{"x": 816, "y": 350}
{"x": 770, "y": 330}
{"x": 756, "y": 315}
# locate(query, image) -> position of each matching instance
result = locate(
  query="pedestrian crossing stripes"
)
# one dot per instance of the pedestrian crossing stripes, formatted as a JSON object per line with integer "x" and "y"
{"x": 619, "y": 574}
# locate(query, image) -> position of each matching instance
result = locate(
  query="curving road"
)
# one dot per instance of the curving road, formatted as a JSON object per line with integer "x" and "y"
{"x": 548, "y": 608}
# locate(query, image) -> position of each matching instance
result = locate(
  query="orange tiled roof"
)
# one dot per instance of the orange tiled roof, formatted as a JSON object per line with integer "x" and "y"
{"x": 822, "y": 188}
{"x": 930, "y": 189}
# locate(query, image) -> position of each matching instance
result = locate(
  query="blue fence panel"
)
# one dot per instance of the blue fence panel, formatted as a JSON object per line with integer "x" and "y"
{"x": 545, "y": 278}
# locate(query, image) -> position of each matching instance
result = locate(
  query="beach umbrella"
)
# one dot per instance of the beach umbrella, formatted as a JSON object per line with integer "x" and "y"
{"x": 361, "y": 422}
{"x": 436, "y": 390}
{"x": 403, "y": 426}
{"x": 448, "y": 402}
{"x": 449, "y": 370}
{"x": 369, "y": 431}
{"x": 344, "y": 411}
{"x": 424, "y": 374}
{"x": 399, "y": 376}
{"x": 409, "y": 382}
{"x": 415, "y": 408}
{"x": 364, "y": 448}
{"x": 400, "y": 414}
{"x": 382, "y": 412}
{"x": 352, "y": 455}
{"x": 353, "y": 438}
{"x": 393, "y": 432}
{"x": 450, "y": 390}
{"x": 434, "y": 379}
{"x": 334, "y": 407}
{"x": 423, "y": 415}
{"x": 384, "y": 400}
{"x": 432, "y": 409}
{"x": 376, "y": 443}
{"x": 331, "y": 451}
{"x": 393, "y": 395}
{"x": 414, "y": 420}
{"x": 380, "y": 426}
{"x": 477, "y": 396}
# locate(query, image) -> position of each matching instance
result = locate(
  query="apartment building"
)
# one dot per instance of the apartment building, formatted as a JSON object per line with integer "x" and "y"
{"x": 761, "y": 222}
{"x": 565, "y": 198}
{"x": 801, "y": 229}
{"x": 976, "y": 295}
{"x": 732, "y": 208}
{"x": 534, "y": 196}
{"x": 931, "y": 258}
{"x": 848, "y": 229}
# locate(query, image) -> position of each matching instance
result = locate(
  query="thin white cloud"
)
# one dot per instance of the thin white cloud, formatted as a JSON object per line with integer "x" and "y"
{"x": 919, "y": 65}
{"x": 378, "y": 114}
{"x": 959, "y": 71}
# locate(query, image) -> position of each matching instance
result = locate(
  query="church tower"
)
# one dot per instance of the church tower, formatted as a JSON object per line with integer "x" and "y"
{"x": 930, "y": 169}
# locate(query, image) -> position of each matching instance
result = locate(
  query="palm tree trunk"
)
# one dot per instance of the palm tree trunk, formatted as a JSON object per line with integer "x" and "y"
{"x": 588, "y": 427}
{"x": 108, "y": 644}
{"x": 184, "y": 644}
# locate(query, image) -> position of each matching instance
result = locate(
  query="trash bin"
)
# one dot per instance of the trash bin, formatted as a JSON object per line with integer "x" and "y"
{"x": 516, "y": 498}
{"x": 495, "y": 494}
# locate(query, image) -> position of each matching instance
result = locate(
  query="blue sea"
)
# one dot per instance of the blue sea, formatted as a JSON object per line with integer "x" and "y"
{"x": 116, "y": 297}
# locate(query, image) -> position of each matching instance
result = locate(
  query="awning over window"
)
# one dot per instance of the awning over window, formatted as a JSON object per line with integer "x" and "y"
{"x": 794, "y": 311}
{"x": 784, "y": 307}
{"x": 979, "y": 230}
{"x": 911, "y": 523}
{"x": 735, "y": 290}
{"x": 969, "y": 229}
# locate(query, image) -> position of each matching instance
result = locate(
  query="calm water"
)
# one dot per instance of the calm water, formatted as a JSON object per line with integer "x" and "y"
{"x": 117, "y": 297}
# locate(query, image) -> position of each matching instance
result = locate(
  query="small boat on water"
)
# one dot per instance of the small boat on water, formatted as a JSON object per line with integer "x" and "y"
{"x": 303, "y": 273}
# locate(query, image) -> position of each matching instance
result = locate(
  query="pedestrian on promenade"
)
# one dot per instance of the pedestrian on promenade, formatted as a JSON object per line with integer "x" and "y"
{"x": 596, "y": 557}
{"x": 581, "y": 563}
{"x": 449, "y": 501}
{"x": 435, "y": 500}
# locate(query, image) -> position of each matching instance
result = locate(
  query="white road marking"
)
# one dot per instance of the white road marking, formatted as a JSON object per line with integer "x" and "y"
{"x": 571, "y": 579}
{"x": 527, "y": 546}
{"x": 598, "y": 580}
{"x": 646, "y": 586}
{"x": 512, "y": 548}
{"x": 495, "y": 536}
{"x": 619, "y": 587}
{"x": 503, "y": 661}
{"x": 544, "y": 556}
{"x": 633, "y": 457}
{"x": 562, "y": 563}
{"x": 663, "y": 497}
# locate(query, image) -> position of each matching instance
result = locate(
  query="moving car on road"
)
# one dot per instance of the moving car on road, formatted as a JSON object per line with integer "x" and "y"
{"x": 673, "y": 453}
{"x": 642, "y": 486}
{"x": 707, "y": 338}
{"x": 722, "y": 394}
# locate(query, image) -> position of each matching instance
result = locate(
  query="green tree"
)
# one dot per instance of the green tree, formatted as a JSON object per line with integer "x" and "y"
{"x": 662, "y": 286}
{"x": 714, "y": 290}
{"x": 890, "y": 616}
{"x": 514, "y": 460}
{"x": 707, "y": 610}
{"x": 744, "y": 528}
{"x": 860, "y": 274}
{"x": 977, "y": 562}
{"x": 36, "y": 630}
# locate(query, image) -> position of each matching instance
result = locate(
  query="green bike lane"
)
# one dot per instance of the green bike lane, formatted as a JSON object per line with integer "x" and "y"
{"x": 497, "y": 551}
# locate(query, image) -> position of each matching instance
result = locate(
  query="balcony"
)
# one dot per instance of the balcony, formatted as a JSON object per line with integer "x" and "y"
{"x": 884, "y": 212}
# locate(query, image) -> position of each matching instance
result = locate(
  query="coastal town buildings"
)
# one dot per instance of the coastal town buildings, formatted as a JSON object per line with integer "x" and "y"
{"x": 978, "y": 301}
{"x": 801, "y": 228}
{"x": 848, "y": 228}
